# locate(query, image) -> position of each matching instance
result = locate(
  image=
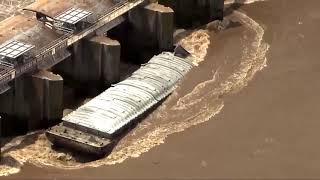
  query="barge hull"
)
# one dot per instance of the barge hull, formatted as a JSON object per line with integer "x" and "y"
{"x": 107, "y": 115}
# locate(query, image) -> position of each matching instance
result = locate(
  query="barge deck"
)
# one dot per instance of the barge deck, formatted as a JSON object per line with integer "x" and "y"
{"x": 95, "y": 126}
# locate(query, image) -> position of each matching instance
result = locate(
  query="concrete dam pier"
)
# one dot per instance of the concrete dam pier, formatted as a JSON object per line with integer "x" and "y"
{"x": 189, "y": 13}
{"x": 55, "y": 45}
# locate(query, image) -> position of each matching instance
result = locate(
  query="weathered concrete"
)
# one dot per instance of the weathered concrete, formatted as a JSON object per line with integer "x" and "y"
{"x": 92, "y": 54}
{"x": 194, "y": 12}
{"x": 95, "y": 61}
{"x": 19, "y": 112}
{"x": 6, "y": 111}
{"x": 83, "y": 64}
{"x": 45, "y": 100}
{"x": 34, "y": 102}
{"x": 111, "y": 52}
{"x": 112, "y": 24}
{"x": 78, "y": 69}
{"x": 216, "y": 9}
{"x": 152, "y": 28}
{"x": 164, "y": 26}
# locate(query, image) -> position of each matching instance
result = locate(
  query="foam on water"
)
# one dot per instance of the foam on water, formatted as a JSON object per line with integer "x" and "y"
{"x": 241, "y": 1}
{"x": 177, "y": 113}
{"x": 199, "y": 46}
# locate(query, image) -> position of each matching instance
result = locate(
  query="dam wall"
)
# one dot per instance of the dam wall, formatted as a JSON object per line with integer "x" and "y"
{"x": 34, "y": 102}
{"x": 151, "y": 30}
{"x": 95, "y": 61}
{"x": 83, "y": 58}
{"x": 190, "y": 13}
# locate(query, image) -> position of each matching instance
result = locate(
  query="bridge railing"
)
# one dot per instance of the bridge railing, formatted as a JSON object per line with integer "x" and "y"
{"x": 67, "y": 40}
{"x": 62, "y": 41}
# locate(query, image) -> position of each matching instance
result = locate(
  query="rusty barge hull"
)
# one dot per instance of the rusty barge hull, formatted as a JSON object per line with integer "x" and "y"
{"x": 95, "y": 126}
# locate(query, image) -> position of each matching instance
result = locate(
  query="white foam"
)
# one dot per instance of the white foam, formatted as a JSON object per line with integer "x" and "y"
{"x": 242, "y": 1}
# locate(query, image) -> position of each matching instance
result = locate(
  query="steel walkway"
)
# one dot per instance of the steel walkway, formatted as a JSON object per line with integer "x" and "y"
{"x": 66, "y": 40}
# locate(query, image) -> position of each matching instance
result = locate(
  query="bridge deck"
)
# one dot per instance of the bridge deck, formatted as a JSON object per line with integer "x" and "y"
{"x": 27, "y": 30}
{"x": 54, "y": 7}
{"x": 47, "y": 42}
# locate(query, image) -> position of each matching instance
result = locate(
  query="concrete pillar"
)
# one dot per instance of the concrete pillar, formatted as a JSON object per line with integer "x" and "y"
{"x": 14, "y": 109}
{"x": 79, "y": 66}
{"x": 103, "y": 56}
{"x": 33, "y": 103}
{"x": 0, "y": 137}
{"x": 7, "y": 111}
{"x": 75, "y": 68}
{"x": 49, "y": 89}
{"x": 216, "y": 9}
{"x": 20, "y": 105}
{"x": 45, "y": 100}
{"x": 152, "y": 28}
{"x": 193, "y": 12}
{"x": 6, "y": 103}
{"x": 164, "y": 26}
{"x": 111, "y": 52}
{"x": 92, "y": 54}
{"x": 95, "y": 61}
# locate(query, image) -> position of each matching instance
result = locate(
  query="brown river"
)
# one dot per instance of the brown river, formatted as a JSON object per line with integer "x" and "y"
{"x": 221, "y": 121}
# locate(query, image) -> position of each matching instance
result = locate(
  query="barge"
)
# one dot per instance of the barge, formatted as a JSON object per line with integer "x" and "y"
{"x": 97, "y": 125}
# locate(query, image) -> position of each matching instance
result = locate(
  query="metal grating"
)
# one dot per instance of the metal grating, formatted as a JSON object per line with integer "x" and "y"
{"x": 73, "y": 15}
{"x": 14, "y": 49}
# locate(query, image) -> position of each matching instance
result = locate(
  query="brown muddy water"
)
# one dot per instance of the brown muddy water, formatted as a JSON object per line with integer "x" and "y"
{"x": 198, "y": 98}
{"x": 248, "y": 110}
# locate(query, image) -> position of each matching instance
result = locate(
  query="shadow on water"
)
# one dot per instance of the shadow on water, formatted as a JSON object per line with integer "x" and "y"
{"x": 9, "y": 161}
{"x": 233, "y": 7}
{"x": 26, "y": 141}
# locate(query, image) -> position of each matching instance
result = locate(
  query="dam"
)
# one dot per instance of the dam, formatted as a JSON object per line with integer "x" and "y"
{"x": 51, "y": 43}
